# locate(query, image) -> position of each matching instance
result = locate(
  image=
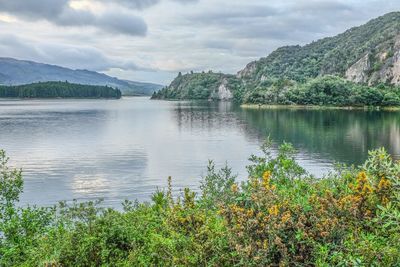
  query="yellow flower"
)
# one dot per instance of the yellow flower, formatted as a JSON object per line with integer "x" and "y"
{"x": 265, "y": 244}
{"x": 235, "y": 188}
{"x": 286, "y": 217}
{"x": 267, "y": 181}
{"x": 274, "y": 210}
{"x": 384, "y": 183}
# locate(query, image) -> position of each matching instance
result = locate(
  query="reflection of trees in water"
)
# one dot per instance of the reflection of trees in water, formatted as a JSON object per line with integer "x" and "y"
{"x": 206, "y": 115}
{"x": 338, "y": 135}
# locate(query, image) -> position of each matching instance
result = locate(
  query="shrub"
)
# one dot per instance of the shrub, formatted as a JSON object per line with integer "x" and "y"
{"x": 280, "y": 216}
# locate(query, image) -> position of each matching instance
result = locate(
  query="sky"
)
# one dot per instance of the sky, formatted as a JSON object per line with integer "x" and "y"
{"x": 153, "y": 40}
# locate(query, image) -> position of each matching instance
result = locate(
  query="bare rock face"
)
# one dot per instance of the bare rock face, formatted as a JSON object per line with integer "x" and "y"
{"x": 223, "y": 91}
{"x": 388, "y": 72}
{"x": 396, "y": 63}
{"x": 248, "y": 70}
{"x": 358, "y": 71}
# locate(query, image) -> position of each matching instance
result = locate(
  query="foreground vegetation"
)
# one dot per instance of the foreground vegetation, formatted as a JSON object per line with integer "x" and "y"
{"x": 279, "y": 216}
{"x": 58, "y": 90}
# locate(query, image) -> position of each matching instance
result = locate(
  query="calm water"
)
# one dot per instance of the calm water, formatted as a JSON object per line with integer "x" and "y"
{"x": 125, "y": 149}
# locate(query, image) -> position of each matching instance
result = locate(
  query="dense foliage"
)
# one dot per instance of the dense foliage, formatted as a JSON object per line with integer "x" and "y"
{"x": 59, "y": 90}
{"x": 312, "y": 74}
{"x": 326, "y": 90}
{"x": 196, "y": 86}
{"x": 280, "y": 216}
{"x": 333, "y": 55}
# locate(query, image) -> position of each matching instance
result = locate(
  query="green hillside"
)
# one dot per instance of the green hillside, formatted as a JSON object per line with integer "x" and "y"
{"x": 198, "y": 86}
{"x": 333, "y": 55}
{"x": 358, "y": 67}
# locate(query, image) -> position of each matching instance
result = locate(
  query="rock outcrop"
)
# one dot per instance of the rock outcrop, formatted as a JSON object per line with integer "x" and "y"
{"x": 396, "y": 63}
{"x": 248, "y": 71}
{"x": 223, "y": 92}
{"x": 359, "y": 71}
{"x": 386, "y": 67}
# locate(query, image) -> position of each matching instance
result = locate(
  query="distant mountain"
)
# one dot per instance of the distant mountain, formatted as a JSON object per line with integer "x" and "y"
{"x": 363, "y": 62}
{"x": 18, "y": 72}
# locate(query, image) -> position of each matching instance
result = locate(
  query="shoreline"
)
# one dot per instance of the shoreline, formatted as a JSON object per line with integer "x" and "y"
{"x": 312, "y": 107}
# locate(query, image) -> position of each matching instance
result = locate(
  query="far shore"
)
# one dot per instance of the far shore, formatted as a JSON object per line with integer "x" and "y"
{"x": 314, "y": 107}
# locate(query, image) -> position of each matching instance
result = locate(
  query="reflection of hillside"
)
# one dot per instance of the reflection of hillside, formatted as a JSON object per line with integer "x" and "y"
{"x": 337, "y": 135}
{"x": 205, "y": 115}
{"x": 340, "y": 135}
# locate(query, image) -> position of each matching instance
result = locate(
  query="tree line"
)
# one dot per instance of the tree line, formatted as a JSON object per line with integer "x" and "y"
{"x": 58, "y": 90}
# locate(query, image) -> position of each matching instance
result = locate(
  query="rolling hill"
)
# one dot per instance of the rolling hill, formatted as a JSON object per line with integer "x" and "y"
{"x": 19, "y": 72}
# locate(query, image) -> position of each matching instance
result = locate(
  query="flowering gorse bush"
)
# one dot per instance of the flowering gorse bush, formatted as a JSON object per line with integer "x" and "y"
{"x": 279, "y": 216}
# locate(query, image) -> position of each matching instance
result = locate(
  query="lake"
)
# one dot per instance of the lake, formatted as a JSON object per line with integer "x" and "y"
{"x": 126, "y": 149}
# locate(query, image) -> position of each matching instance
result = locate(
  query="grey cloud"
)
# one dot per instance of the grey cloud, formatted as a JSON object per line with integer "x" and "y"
{"x": 123, "y": 23}
{"x": 34, "y": 9}
{"x": 291, "y": 21}
{"x": 135, "y": 4}
{"x": 142, "y": 4}
{"x": 219, "y": 44}
{"x": 231, "y": 14}
{"x": 71, "y": 17}
{"x": 329, "y": 6}
{"x": 186, "y": 1}
{"x": 75, "y": 57}
{"x": 59, "y": 12}
{"x": 119, "y": 23}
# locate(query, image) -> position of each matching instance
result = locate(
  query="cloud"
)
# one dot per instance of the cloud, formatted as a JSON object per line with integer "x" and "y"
{"x": 122, "y": 23}
{"x": 134, "y": 4}
{"x": 34, "y": 8}
{"x": 75, "y": 57}
{"x": 143, "y": 4}
{"x": 60, "y": 13}
{"x": 292, "y": 20}
{"x": 176, "y": 35}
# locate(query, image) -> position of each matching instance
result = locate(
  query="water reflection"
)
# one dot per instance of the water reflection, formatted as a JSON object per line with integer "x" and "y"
{"x": 331, "y": 135}
{"x": 116, "y": 150}
{"x": 338, "y": 135}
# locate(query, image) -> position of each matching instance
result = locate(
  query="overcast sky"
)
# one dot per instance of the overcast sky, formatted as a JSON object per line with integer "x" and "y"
{"x": 152, "y": 40}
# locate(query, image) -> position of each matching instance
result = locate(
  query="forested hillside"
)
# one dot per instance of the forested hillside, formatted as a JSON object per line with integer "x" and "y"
{"x": 59, "y": 90}
{"x": 358, "y": 67}
{"x": 200, "y": 86}
{"x": 376, "y": 42}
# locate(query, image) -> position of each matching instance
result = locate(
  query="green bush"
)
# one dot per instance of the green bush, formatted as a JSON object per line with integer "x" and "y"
{"x": 280, "y": 216}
